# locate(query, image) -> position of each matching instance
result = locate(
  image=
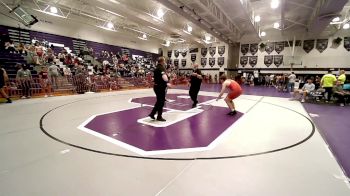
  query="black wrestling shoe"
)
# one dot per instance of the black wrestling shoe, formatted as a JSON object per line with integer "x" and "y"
{"x": 194, "y": 104}
{"x": 9, "y": 101}
{"x": 152, "y": 116}
{"x": 161, "y": 119}
{"x": 232, "y": 113}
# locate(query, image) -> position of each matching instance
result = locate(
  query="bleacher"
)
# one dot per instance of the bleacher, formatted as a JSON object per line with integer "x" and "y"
{"x": 9, "y": 61}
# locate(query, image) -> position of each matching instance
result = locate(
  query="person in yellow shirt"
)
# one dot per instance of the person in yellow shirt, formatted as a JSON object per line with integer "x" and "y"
{"x": 327, "y": 82}
{"x": 342, "y": 77}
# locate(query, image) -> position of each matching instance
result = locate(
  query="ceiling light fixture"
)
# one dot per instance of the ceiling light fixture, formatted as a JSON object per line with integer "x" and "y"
{"x": 160, "y": 13}
{"x": 346, "y": 26}
{"x": 53, "y": 10}
{"x": 110, "y": 25}
{"x": 155, "y": 29}
{"x": 144, "y": 36}
{"x": 257, "y": 18}
{"x": 166, "y": 43}
{"x": 114, "y": 1}
{"x": 336, "y": 19}
{"x": 207, "y": 37}
{"x": 275, "y": 4}
{"x": 187, "y": 29}
{"x": 110, "y": 12}
{"x": 263, "y": 34}
{"x": 276, "y": 25}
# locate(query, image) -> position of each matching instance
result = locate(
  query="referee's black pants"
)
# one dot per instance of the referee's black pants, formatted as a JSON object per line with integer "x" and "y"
{"x": 158, "y": 107}
{"x": 194, "y": 90}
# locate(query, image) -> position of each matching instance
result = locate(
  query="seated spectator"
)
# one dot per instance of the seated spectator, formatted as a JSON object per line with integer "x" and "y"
{"x": 306, "y": 90}
{"x": 10, "y": 47}
{"x": 339, "y": 93}
{"x": 32, "y": 58}
{"x": 3, "y": 79}
{"x": 21, "y": 49}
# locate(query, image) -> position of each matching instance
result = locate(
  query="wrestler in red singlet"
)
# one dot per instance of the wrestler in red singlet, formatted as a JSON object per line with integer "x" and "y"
{"x": 235, "y": 91}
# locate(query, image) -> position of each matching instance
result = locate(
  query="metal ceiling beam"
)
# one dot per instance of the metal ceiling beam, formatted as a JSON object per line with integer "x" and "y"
{"x": 300, "y": 5}
{"x": 325, "y": 11}
{"x": 189, "y": 14}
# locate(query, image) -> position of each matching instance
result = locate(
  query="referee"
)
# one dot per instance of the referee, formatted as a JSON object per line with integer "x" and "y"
{"x": 196, "y": 81}
{"x": 160, "y": 84}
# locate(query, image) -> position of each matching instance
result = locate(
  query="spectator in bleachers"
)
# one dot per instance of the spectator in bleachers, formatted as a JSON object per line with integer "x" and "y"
{"x": 3, "y": 79}
{"x": 45, "y": 82}
{"x": 32, "y": 56}
{"x": 24, "y": 78}
{"x": 339, "y": 93}
{"x": 327, "y": 82}
{"x": 39, "y": 49}
{"x": 306, "y": 90}
{"x": 53, "y": 72}
{"x": 10, "y": 47}
{"x": 21, "y": 49}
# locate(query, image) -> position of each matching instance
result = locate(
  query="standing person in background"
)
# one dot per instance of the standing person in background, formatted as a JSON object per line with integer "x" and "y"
{"x": 3, "y": 79}
{"x": 53, "y": 72}
{"x": 45, "y": 82}
{"x": 291, "y": 81}
{"x": 160, "y": 84}
{"x": 24, "y": 78}
{"x": 342, "y": 77}
{"x": 327, "y": 82}
{"x": 196, "y": 81}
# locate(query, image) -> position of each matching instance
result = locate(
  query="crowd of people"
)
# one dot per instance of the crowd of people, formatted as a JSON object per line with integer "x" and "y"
{"x": 303, "y": 87}
{"x": 51, "y": 66}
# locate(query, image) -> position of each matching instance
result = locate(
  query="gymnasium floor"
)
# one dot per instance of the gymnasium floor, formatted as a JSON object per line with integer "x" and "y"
{"x": 103, "y": 144}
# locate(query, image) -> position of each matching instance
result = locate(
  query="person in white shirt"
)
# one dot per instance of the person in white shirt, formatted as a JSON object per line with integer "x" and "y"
{"x": 307, "y": 89}
{"x": 291, "y": 82}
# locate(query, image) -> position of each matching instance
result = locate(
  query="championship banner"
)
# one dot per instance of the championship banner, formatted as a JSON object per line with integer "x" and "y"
{"x": 203, "y": 62}
{"x": 244, "y": 49}
{"x": 321, "y": 45}
{"x": 270, "y": 47}
{"x": 221, "y": 50}
{"x": 184, "y": 53}
{"x": 193, "y": 57}
{"x": 308, "y": 45}
{"x": 211, "y": 62}
{"x": 279, "y": 47}
{"x": 212, "y": 51}
{"x": 253, "y": 48}
{"x": 183, "y": 62}
{"x": 170, "y": 53}
{"x": 268, "y": 59}
{"x": 176, "y": 53}
{"x": 243, "y": 61}
{"x": 221, "y": 61}
{"x": 176, "y": 62}
{"x": 347, "y": 43}
{"x": 253, "y": 60}
{"x": 278, "y": 60}
{"x": 204, "y": 52}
